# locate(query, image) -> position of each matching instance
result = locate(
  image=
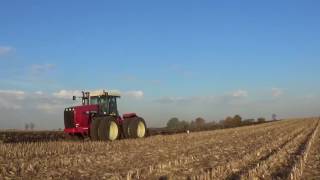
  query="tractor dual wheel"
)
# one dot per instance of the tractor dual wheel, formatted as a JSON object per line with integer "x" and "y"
{"x": 94, "y": 126}
{"x": 134, "y": 128}
{"x": 108, "y": 129}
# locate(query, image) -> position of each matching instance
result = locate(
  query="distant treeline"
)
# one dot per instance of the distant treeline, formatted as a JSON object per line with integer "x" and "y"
{"x": 200, "y": 124}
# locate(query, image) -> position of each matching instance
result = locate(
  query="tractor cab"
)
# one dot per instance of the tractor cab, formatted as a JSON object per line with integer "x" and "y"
{"x": 106, "y": 102}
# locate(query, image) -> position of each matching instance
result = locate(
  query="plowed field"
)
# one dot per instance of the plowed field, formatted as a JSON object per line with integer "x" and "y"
{"x": 279, "y": 150}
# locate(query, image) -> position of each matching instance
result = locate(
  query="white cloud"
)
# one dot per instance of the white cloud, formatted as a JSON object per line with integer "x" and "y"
{"x": 10, "y": 99}
{"x": 41, "y": 68}
{"x": 66, "y": 94}
{"x": 168, "y": 100}
{"x": 135, "y": 94}
{"x": 5, "y": 50}
{"x": 310, "y": 96}
{"x": 13, "y": 93}
{"x": 234, "y": 97}
{"x": 276, "y": 92}
{"x": 240, "y": 93}
{"x": 38, "y": 93}
{"x": 51, "y": 107}
{"x": 7, "y": 104}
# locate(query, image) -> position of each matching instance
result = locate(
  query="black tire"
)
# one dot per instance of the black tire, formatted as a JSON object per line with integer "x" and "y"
{"x": 133, "y": 128}
{"x": 125, "y": 127}
{"x": 108, "y": 129}
{"x": 94, "y": 128}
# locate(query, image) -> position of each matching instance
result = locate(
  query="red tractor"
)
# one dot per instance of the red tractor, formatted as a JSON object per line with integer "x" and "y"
{"x": 98, "y": 118}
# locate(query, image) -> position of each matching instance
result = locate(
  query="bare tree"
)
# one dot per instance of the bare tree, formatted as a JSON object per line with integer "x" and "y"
{"x": 200, "y": 122}
{"x": 26, "y": 126}
{"x": 32, "y": 126}
{"x": 173, "y": 123}
{"x": 232, "y": 122}
{"x": 237, "y": 120}
{"x": 228, "y": 122}
{"x": 274, "y": 117}
{"x": 261, "y": 120}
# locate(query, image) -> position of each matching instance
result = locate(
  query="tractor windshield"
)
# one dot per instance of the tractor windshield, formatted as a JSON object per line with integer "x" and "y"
{"x": 97, "y": 100}
{"x": 94, "y": 100}
{"x": 108, "y": 104}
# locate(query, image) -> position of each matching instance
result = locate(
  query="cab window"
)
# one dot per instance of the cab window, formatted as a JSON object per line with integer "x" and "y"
{"x": 94, "y": 100}
{"x": 98, "y": 100}
{"x": 113, "y": 106}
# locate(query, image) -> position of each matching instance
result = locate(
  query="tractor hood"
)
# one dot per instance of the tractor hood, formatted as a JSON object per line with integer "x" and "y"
{"x": 79, "y": 116}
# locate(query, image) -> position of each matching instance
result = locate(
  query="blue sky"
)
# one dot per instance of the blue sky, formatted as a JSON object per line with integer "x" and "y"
{"x": 169, "y": 50}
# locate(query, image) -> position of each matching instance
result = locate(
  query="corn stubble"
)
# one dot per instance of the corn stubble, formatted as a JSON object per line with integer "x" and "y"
{"x": 279, "y": 150}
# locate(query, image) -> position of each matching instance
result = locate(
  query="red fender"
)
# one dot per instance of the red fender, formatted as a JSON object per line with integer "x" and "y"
{"x": 129, "y": 115}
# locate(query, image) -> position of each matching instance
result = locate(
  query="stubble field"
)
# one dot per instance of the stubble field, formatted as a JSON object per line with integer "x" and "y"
{"x": 286, "y": 149}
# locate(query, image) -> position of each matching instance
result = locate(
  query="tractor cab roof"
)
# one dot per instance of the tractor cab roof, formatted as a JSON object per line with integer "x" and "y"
{"x": 103, "y": 92}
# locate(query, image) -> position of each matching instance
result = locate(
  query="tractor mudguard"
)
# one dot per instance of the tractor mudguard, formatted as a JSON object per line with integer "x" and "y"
{"x": 129, "y": 115}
